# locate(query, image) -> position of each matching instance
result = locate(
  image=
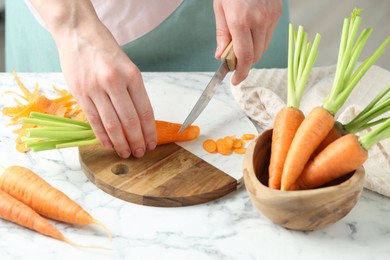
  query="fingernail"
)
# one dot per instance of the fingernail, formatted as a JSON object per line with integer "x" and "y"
{"x": 139, "y": 152}
{"x": 124, "y": 154}
{"x": 151, "y": 146}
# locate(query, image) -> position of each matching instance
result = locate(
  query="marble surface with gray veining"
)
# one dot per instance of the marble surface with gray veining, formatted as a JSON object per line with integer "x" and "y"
{"x": 228, "y": 228}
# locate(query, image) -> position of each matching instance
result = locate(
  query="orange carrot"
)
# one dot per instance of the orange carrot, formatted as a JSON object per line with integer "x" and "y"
{"x": 210, "y": 146}
{"x": 301, "y": 58}
{"x": 286, "y": 124}
{"x": 167, "y": 132}
{"x": 29, "y": 188}
{"x": 224, "y": 146}
{"x": 339, "y": 158}
{"x": 248, "y": 137}
{"x": 309, "y": 135}
{"x": 240, "y": 150}
{"x": 19, "y": 213}
{"x": 335, "y": 133}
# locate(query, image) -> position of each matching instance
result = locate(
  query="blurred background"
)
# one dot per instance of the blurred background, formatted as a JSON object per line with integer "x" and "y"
{"x": 324, "y": 17}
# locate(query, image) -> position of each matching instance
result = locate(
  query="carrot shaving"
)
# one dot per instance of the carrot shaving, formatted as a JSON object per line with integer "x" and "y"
{"x": 34, "y": 101}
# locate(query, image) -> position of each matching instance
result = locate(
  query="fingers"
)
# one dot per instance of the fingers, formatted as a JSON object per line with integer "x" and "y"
{"x": 222, "y": 31}
{"x": 121, "y": 115}
{"x": 250, "y": 25}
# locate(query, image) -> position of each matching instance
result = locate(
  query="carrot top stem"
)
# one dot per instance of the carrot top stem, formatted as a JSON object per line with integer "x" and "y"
{"x": 349, "y": 52}
{"x": 378, "y": 134}
{"x": 301, "y": 57}
{"x": 377, "y": 107}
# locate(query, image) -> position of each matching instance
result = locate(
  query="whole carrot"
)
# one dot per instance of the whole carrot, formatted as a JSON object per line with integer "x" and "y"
{"x": 29, "y": 188}
{"x": 302, "y": 55}
{"x": 19, "y": 213}
{"x": 316, "y": 126}
{"x": 365, "y": 119}
{"x": 341, "y": 157}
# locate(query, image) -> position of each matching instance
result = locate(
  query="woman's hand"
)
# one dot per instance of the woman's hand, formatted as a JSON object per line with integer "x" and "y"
{"x": 107, "y": 85}
{"x": 249, "y": 24}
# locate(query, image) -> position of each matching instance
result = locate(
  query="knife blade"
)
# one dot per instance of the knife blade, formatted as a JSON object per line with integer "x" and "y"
{"x": 228, "y": 64}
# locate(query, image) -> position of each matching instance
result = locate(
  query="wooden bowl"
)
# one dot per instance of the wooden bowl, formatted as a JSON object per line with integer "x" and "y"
{"x": 298, "y": 210}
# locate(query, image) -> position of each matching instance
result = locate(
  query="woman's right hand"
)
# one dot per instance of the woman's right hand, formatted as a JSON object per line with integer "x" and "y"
{"x": 107, "y": 85}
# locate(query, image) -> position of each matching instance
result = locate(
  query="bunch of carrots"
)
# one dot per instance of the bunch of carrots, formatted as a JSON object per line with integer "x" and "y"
{"x": 26, "y": 198}
{"x": 305, "y": 152}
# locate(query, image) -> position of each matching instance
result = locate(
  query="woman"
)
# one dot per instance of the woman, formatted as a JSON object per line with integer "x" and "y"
{"x": 102, "y": 46}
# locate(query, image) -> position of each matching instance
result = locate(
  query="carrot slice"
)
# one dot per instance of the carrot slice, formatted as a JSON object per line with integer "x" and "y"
{"x": 210, "y": 145}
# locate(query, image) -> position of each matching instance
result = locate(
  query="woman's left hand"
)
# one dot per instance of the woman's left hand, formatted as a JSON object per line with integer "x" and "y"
{"x": 249, "y": 24}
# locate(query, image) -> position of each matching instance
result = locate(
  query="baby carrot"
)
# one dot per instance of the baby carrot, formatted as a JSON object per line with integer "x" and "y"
{"x": 301, "y": 59}
{"x": 29, "y": 188}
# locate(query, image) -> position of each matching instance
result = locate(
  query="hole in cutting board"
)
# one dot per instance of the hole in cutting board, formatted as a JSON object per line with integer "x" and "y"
{"x": 120, "y": 169}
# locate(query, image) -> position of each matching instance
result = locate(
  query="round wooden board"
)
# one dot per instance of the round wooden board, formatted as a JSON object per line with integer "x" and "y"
{"x": 169, "y": 176}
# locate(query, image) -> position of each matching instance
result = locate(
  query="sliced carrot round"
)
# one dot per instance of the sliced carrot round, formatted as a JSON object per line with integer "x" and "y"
{"x": 210, "y": 146}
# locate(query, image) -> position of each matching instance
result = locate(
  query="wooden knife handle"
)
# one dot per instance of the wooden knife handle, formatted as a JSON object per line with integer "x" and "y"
{"x": 230, "y": 57}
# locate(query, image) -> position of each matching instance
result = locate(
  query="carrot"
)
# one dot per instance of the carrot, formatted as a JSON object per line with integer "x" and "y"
{"x": 240, "y": 150}
{"x": 309, "y": 135}
{"x": 27, "y": 187}
{"x": 224, "y": 146}
{"x": 301, "y": 59}
{"x": 167, "y": 132}
{"x": 227, "y": 145}
{"x": 376, "y": 108}
{"x": 210, "y": 145}
{"x": 19, "y": 213}
{"x": 59, "y": 132}
{"x": 248, "y": 137}
{"x": 316, "y": 126}
{"x": 286, "y": 124}
{"x": 341, "y": 157}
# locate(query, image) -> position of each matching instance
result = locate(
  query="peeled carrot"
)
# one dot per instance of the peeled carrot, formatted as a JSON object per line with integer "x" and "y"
{"x": 309, "y": 135}
{"x": 17, "y": 212}
{"x": 210, "y": 145}
{"x": 29, "y": 188}
{"x": 301, "y": 58}
{"x": 316, "y": 126}
{"x": 286, "y": 124}
{"x": 167, "y": 132}
{"x": 339, "y": 158}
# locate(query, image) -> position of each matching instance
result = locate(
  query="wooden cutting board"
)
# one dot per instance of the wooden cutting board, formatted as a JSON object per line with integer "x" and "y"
{"x": 169, "y": 176}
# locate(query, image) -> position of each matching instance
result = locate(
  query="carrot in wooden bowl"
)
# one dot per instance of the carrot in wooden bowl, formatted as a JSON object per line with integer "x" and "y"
{"x": 301, "y": 58}
{"x": 319, "y": 122}
{"x": 340, "y": 157}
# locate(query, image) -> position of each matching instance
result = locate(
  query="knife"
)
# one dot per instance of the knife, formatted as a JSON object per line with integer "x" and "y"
{"x": 228, "y": 64}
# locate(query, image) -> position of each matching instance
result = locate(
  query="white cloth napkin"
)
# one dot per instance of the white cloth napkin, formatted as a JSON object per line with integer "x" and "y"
{"x": 264, "y": 93}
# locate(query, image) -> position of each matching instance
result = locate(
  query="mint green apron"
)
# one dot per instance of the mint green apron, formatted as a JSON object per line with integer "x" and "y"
{"x": 185, "y": 41}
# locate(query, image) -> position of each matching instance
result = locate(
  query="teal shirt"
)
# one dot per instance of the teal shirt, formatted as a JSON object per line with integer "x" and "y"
{"x": 185, "y": 41}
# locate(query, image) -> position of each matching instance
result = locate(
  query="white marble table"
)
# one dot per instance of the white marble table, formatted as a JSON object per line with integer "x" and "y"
{"x": 229, "y": 228}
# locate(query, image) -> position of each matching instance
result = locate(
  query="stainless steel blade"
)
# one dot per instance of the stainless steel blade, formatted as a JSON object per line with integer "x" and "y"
{"x": 207, "y": 94}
